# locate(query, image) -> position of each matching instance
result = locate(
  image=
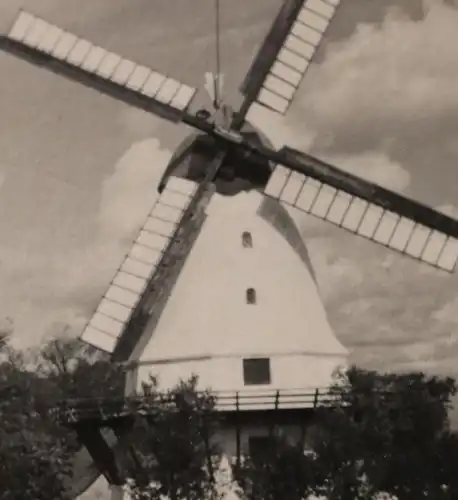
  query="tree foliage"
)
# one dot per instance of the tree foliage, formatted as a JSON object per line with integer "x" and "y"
{"x": 379, "y": 433}
{"x": 37, "y": 454}
{"x": 177, "y": 455}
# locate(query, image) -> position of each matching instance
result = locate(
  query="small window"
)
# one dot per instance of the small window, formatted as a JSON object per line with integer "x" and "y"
{"x": 258, "y": 447}
{"x": 247, "y": 240}
{"x": 256, "y": 371}
{"x": 251, "y": 296}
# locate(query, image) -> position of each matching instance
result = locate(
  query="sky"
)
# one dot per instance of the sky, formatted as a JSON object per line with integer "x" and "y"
{"x": 78, "y": 170}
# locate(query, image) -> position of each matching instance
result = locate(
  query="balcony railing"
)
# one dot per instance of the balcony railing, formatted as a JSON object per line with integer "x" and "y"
{"x": 72, "y": 411}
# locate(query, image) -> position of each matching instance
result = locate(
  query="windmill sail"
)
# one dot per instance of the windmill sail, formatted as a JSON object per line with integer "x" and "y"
{"x": 136, "y": 297}
{"x": 286, "y": 54}
{"x": 129, "y": 285}
{"x": 64, "y": 53}
{"x": 364, "y": 208}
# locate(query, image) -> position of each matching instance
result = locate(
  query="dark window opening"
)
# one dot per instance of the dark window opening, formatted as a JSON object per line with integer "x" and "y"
{"x": 258, "y": 447}
{"x": 256, "y": 371}
{"x": 251, "y": 296}
{"x": 247, "y": 240}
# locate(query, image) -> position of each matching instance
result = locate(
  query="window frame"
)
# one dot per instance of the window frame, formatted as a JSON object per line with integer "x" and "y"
{"x": 250, "y": 377}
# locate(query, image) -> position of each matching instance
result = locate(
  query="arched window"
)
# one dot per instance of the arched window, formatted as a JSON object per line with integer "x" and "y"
{"x": 251, "y": 296}
{"x": 247, "y": 241}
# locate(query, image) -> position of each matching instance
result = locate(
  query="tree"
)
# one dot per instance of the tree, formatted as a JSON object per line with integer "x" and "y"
{"x": 37, "y": 455}
{"x": 176, "y": 456}
{"x": 387, "y": 429}
{"x": 33, "y": 462}
{"x": 378, "y": 433}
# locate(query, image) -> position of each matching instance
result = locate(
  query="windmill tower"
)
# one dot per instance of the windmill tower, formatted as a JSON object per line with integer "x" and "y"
{"x": 218, "y": 282}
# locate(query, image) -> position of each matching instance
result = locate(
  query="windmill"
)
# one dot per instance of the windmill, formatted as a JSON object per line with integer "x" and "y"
{"x": 223, "y": 213}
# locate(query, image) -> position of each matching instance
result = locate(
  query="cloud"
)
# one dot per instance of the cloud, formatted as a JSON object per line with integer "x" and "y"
{"x": 390, "y": 88}
{"x": 447, "y": 312}
{"x": 375, "y": 167}
{"x": 399, "y": 74}
{"x": 129, "y": 194}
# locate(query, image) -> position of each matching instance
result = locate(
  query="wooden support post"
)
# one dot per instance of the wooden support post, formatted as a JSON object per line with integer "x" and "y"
{"x": 237, "y": 430}
{"x": 273, "y": 419}
{"x": 101, "y": 453}
{"x": 207, "y": 444}
{"x": 117, "y": 492}
{"x": 315, "y": 399}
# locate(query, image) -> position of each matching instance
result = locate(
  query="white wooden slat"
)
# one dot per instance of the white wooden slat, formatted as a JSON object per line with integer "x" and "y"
{"x": 401, "y": 234}
{"x": 63, "y": 47}
{"x": 313, "y": 20}
{"x": 307, "y": 34}
{"x": 280, "y": 87}
{"x": 449, "y": 256}
{"x": 36, "y": 32}
{"x": 323, "y": 202}
{"x": 123, "y": 71}
{"x": 320, "y": 7}
{"x": 183, "y": 186}
{"x": 418, "y": 240}
{"x": 166, "y": 212}
{"x": 145, "y": 254}
{"x": 94, "y": 58}
{"x": 79, "y": 52}
{"x": 292, "y": 188}
{"x": 108, "y": 65}
{"x": 339, "y": 207}
{"x": 159, "y": 226}
{"x": 138, "y": 78}
{"x": 114, "y": 310}
{"x": 286, "y": 73}
{"x": 300, "y": 47}
{"x": 386, "y": 227}
{"x": 174, "y": 199}
{"x": 167, "y": 91}
{"x": 130, "y": 282}
{"x": 23, "y": 23}
{"x": 183, "y": 97}
{"x": 49, "y": 41}
{"x": 273, "y": 101}
{"x": 434, "y": 247}
{"x": 355, "y": 214}
{"x": 308, "y": 195}
{"x": 154, "y": 241}
{"x": 333, "y": 2}
{"x": 137, "y": 268}
{"x": 288, "y": 57}
{"x": 106, "y": 324}
{"x": 122, "y": 296}
{"x": 277, "y": 181}
{"x": 153, "y": 84}
{"x": 371, "y": 220}
{"x": 98, "y": 339}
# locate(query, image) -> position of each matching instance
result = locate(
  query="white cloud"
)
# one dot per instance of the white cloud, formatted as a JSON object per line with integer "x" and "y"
{"x": 129, "y": 194}
{"x": 447, "y": 313}
{"x": 403, "y": 70}
{"x": 375, "y": 167}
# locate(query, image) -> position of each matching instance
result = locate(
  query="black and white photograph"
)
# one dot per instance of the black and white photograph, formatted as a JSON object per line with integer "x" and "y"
{"x": 229, "y": 245}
